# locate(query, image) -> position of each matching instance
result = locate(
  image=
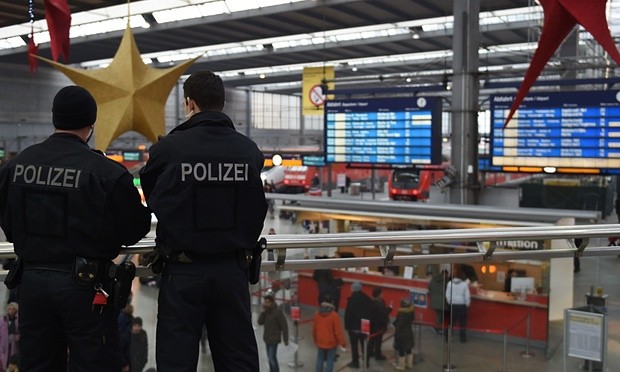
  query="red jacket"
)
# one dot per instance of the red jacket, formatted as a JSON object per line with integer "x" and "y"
{"x": 327, "y": 329}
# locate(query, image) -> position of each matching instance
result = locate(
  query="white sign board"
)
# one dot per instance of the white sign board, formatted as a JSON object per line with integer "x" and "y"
{"x": 408, "y": 274}
{"x": 585, "y": 335}
{"x": 341, "y": 180}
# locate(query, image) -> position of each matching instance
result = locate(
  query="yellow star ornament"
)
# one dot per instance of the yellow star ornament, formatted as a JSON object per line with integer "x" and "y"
{"x": 129, "y": 94}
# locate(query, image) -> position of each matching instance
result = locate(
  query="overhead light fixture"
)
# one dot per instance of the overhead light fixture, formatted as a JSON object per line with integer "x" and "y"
{"x": 354, "y": 69}
{"x": 262, "y": 76}
{"x": 446, "y": 83}
{"x": 549, "y": 169}
{"x": 415, "y": 31}
{"x": 408, "y": 80}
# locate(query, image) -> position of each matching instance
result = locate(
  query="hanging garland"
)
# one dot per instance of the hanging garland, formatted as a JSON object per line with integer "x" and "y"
{"x": 33, "y": 49}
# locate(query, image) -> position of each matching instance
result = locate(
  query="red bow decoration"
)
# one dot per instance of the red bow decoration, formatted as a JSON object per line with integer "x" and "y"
{"x": 560, "y": 17}
{"x": 58, "y": 18}
{"x": 33, "y": 51}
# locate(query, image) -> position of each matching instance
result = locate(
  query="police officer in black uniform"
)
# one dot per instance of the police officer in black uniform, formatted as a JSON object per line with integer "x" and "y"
{"x": 203, "y": 183}
{"x": 60, "y": 200}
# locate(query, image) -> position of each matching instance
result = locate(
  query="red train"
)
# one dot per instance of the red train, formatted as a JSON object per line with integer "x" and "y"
{"x": 412, "y": 184}
{"x": 298, "y": 179}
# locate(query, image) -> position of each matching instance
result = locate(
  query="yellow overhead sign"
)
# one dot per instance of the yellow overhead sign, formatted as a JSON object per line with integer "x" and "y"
{"x": 314, "y": 78}
{"x": 285, "y": 162}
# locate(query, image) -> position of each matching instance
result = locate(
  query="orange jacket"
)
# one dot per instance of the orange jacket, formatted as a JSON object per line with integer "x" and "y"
{"x": 327, "y": 329}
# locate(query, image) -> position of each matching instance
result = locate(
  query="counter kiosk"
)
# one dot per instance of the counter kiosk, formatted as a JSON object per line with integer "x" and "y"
{"x": 490, "y": 312}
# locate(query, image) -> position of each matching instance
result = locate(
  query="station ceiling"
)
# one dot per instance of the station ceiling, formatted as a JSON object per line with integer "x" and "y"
{"x": 397, "y": 56}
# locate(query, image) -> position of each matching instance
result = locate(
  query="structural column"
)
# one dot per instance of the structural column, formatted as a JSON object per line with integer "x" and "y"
{"x": 568, "y": 59}
{"x": 465, "y": 89}
{"x": 248, "y": 113}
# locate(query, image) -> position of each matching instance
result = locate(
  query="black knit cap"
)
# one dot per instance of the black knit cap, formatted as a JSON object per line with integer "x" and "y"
{"x": 73, "y": 108}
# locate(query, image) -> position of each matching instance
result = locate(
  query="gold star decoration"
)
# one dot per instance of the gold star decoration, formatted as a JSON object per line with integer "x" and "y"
{"x": 129, "y": 94}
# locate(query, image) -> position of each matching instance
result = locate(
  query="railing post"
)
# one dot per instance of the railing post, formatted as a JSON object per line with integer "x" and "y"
{"x": 449, "y": 367}
{"x": 504, "y": 350}
{"x": 297, "y": 318}
{"x": 418, "y": 358}
{"x": 297, "y": 342}
{"x": 365, "y": 351}
{"x": 526, "y": 353}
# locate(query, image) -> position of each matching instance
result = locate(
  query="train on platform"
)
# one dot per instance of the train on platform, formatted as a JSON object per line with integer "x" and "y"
{"x": 412, "y": 184}
{"x": 302, "y": 179}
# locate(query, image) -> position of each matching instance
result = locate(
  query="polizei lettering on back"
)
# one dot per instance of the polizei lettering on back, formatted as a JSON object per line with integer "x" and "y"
{"x": 47, "y": 176}
{"x": 214, "y": 172}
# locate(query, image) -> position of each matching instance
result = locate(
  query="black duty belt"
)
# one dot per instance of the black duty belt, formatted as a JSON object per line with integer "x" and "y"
{"x": 192, "y": 257}
{"x": 52, "y": 266}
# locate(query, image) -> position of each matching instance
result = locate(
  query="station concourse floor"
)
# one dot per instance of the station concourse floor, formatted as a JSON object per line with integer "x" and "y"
{"x": 479, "y": 354}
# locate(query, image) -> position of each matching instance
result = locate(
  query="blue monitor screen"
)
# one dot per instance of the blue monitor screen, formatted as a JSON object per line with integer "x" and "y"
{"x": 570, "y": 131}
{"x": 383, "y": 131}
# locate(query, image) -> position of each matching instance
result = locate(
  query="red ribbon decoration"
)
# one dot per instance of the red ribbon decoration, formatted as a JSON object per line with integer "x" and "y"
{"x": 33, "y": 51}
{"x": 560, "y": 17}
{"x": 58, "y": 18}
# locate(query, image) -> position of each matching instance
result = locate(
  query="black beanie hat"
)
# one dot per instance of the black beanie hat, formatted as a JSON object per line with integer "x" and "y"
{"x": 73, "y": 108}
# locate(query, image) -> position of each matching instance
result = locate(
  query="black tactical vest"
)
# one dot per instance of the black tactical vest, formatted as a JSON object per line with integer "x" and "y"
{"x": 58, "y": 197}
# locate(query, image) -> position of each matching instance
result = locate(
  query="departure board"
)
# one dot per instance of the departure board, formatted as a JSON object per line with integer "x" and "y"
{"x": 383, "y": 131}
{"x": 568, "y": 131}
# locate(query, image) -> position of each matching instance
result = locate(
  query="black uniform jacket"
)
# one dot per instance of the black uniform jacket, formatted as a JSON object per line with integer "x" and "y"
{"x": 59, "y": 199}
{"x": 203, "y": 183}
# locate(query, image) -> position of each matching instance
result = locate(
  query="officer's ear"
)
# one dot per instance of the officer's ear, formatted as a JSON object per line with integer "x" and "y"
{"x": 189, "y": 107}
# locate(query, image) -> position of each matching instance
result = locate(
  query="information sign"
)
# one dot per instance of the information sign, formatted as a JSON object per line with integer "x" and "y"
{"x": 383, "y": 131}
{"x": 585, "y": 335}
{"x": 418, "y": 297}
{"x": 568, "y": 131}
{"x": 313, "y": 160}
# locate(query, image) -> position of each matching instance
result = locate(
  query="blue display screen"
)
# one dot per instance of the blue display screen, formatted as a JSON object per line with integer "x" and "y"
{"x": 563, "y": 130}
{"x": 313, "y": 161}
{"x": 383, "y": 131}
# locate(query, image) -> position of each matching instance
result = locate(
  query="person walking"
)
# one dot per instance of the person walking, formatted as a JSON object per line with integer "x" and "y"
{"x": 68, "y": 210}
{"x": 275, "y": 330}
{"x": 458, "y": 297}
{"x": 403, "y": 335}
{"x": 437, "y": 293}
{"x": 203, "y": 183}
{"x": 139, "y": 346}
{"x": 9, "y": 334}
{"x": 378, "y": 324}
{"x": 327, "y": 334}
{"x": 359, "y": 306}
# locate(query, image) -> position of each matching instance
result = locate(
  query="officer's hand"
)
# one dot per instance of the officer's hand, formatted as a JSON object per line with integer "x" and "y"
{"x": 285, "y": 343}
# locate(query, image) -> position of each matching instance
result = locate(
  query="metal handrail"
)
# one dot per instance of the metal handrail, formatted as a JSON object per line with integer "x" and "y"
{"x": 302, "y": 241}
{"x": 452, "y": 212}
